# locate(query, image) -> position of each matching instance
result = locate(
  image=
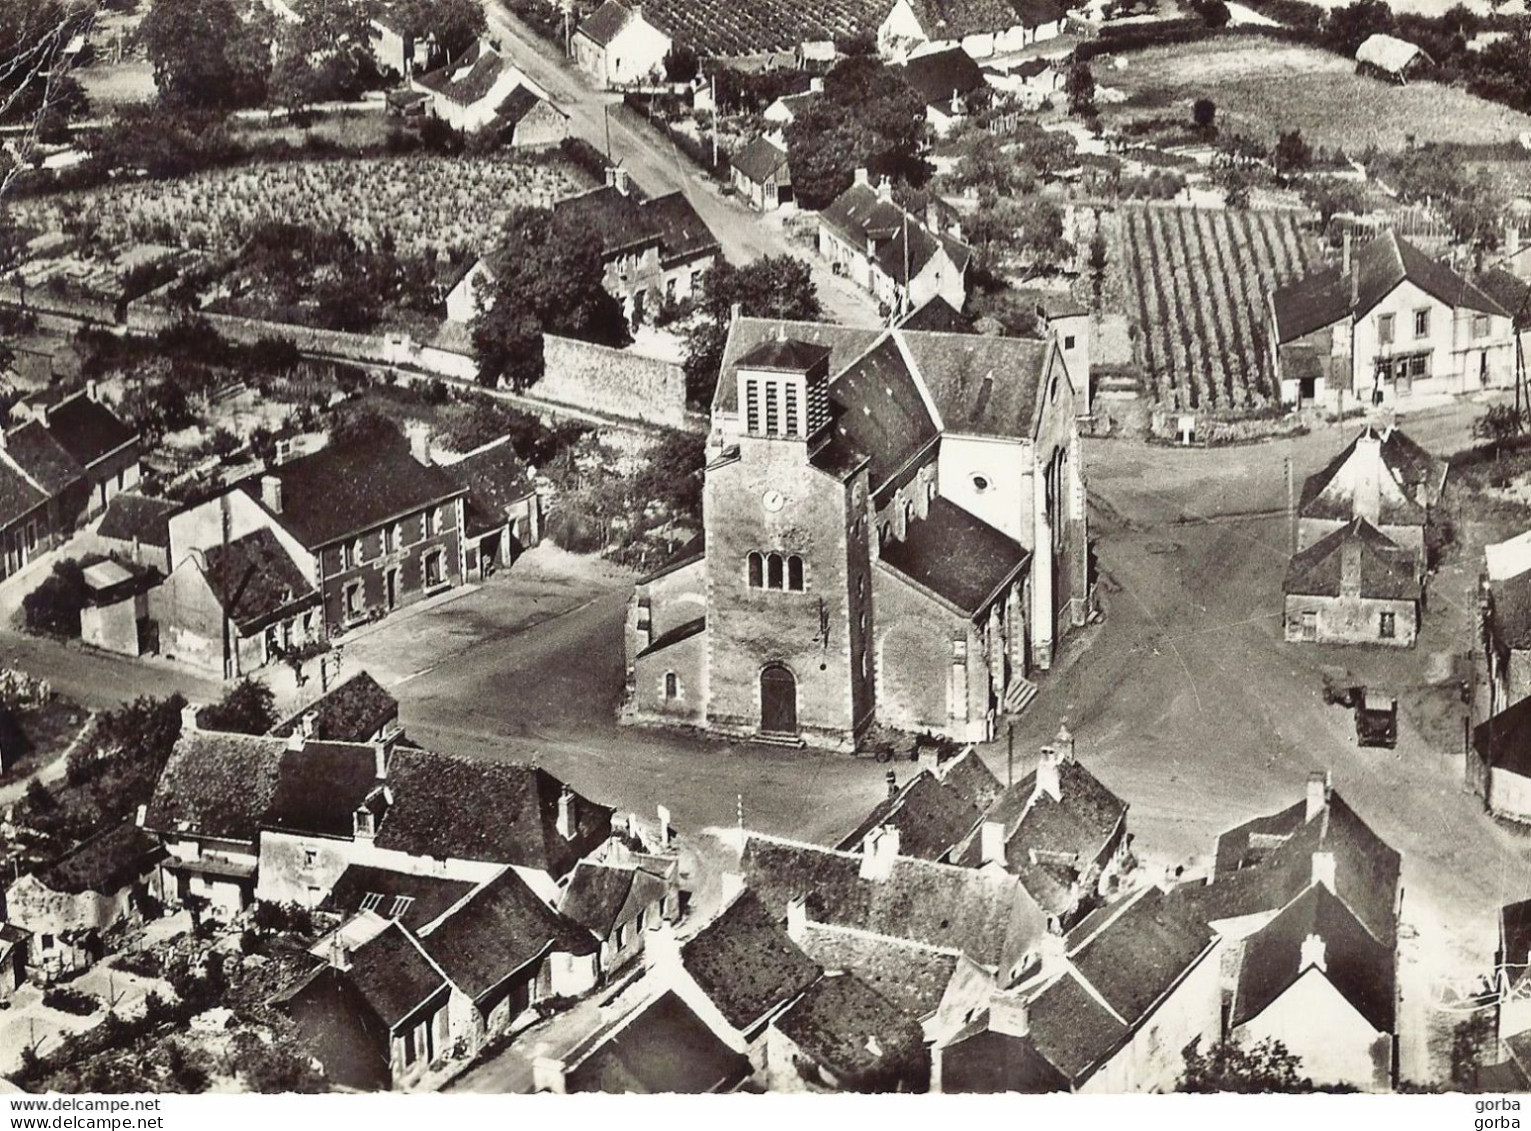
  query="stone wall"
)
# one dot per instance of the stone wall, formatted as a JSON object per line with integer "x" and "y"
{"x": 612, "y": 382}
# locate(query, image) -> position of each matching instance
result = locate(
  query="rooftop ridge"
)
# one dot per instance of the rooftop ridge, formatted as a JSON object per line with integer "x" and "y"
{"x": 893, "y": 940}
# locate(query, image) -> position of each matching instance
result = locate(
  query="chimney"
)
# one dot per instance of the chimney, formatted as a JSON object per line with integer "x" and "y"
{"x": 340, "y": 954}
{"x": 566, "y": 813}
{"x": 1047, "y": 774}
{"x": 297, "y": 739}
{"x": 1368, "y": 476}
{"x": 735, "y": 312}
{"x": 1350, "y": 568}
{"x": 189, "y": 719}
{"x": 1009, "y": 1015}
{"x": 92, "y": 390}
{"x": 1323, "y": 869}
{"x": 309, "y": 724}
{"x": 383, "y": 747}
{"x": 1318, "y": 794}
{"x": 1064, "y": 742}
{"x": 1312, "y": 954}
{"x": 271, "y": 493}
{"x": 1345, "y": 252}
{"x": 283, "y": 450}
{"x": 991, "y": 842}
{"x": 665, "y": 833}
{"x": 932, "y": 218}
{"x": 816, "y": 85}
{"x": 892, "y": 780}
{"x": 611, "y": 176}
{"x": 797, "y": 919}
{"x": 731, "y": 888}
{"x": 878, "y": 852}
{"x": 621, "y": 181}
{"x": 863, "y": 177}
{"x": 885, "y": 190}
{"x": 874, "y": 1046}
{"x": 420, "y": 446}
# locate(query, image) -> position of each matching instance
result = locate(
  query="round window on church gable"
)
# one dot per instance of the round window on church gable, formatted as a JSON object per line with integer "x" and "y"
{"x": 981, "y": 483}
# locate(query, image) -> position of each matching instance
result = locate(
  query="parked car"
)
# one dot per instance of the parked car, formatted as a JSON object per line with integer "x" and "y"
{"x": 1377, "y": 718}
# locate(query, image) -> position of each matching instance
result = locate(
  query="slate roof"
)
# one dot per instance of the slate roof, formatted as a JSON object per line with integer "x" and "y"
{"x": 759, "y": 160}
{"x": 346, "y": 489}
{"x": 666, "y": 1049}
{"x": 877, "y": 411}
{"x": 320, "y": 787}
{"x": 494, "y": 477}
{"x": 912, "y": 977}
{"x": 513, "y": 819}
{"x": 519, "y": 103}
{"x": 1310, "y": 303}
{"x": 1509, "y": 291}
{"x": 19, "y": 497}
{"x": 911, "y": 247}
{"x": 596, "y": 894}
{"x": 745, "y": 963}
{"x": 1358, "y": 965}
{"x": 982, "y": 385}
{"x": 1135, "y": 958}
{"x": 858, "y": 214}
{"x": 959, "y": 557}
{"x": 845, "y": 344}
{"x": 937, "y": 316}
{"x": 499, "y": 929}
{"x": 836, "y": 1019}
{"x": 414, "y": 900}
{"x": 605, "y": 23}
{"x": 1504, "y": 740}
{"x": 1071, "y": 1029}
{"x": 970, "y": 777}
{"x": 980, "y": 1061}
{"x": 937, "y": 75}
{"x": 990, "y": 918}
{"x": 44, "y": 460}
{"x": 256, "y": 579}
{"x": 352, "y": 711}
{"x": 786, "y": 354}
{"x": 218, "y": 784}
{"x": 393, "y": 975}
{"x": 1416, "y": 471}
{"x": 1510, "y": 602}
{"x": 105, "y": 863}
{"x": 930, "y": 817}
{"x": 1388, "y": 571}
{"x": 683, "y": 234}
{"x": 87, "y": 429}
{"x": 483, "y": 66}
{"x": 131, "y": 516}
{"x": 624, "y": 222}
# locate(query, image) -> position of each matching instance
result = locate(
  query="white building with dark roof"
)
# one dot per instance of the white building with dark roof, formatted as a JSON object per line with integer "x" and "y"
{"x": 617, "y": 46}
{"x": 1381, "y": 476}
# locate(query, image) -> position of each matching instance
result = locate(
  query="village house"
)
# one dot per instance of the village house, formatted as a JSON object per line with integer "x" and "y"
{"x": 102, "y": 448}
{"x": 784, "y": 110}
{"x": 1381, "y": 476}
{"x": 481, "y": 90}
{"x": 1385, "y": 323}
{"x": 618, "y": 904}
{"x": 843, "y": 1036}
{"x": 502, "y": 513}
{"x": 1109, "y": 1009}
{"x": 894, "y": 530}
{"x": 1504, "y": 623}
{"x": 394, "y": 47}
{"x": 1499, "y": 763}
{"x": 1305, "y": 903}
{"x": 901, "y": 259}
{"x": 761, "y": 174}
{"x": 469, "y": 292}
{"x": 655, "y": 249}
{"x": 980, "y": 27}
{"x": 115, "y": 615}
{"x": 358, "y": 710}
{"x": 1354, "y": 586}
{"x": 617, "y": 46}
{"x": 951, "y": 83}
{"x": 66, "y": 906}
{"x": 136, "y": 528}
{"x": 1389, "y": 57}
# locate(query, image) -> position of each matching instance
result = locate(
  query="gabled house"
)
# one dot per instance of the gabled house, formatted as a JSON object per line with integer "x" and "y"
{"x": 903, "y": 260}
{"x": 1110, "y": 1009}
{"x": 358, "y": 711}
{"x": 1388, "y": 322}
{"x": 136, "y": 528}
{"x": 394, "y": 46}
{"x": 528, "y": 119}
{"x": 482, "y": 90}
{"x": 843, "y": 1036}
{"x": 618, "y": 904}
{"x": 470, "y": 290}
{"x": 1499, "y": 762}
{"x": 1306, "y": 905}
{"x": 104, "y": 449}
{"x": 951, "y": 83}
{"x": 761, "y": 174}
{"x": 654, "y": 249}
{"x": 1504, "y": 616}
{"x": 502, "y": 514}
{"x": 1381, "y": 476}
{"x": 1389, "y": 57}
{"x": 617, "y": 46}
{"x": 784, "y": 111}
{"x": 1354, "y": 586}
{"x": 980, "y": 27}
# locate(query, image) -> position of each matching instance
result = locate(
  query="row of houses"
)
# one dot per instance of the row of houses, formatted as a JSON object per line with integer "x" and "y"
{"x": 904, "y": 960}
{"x": 458, "y": 894}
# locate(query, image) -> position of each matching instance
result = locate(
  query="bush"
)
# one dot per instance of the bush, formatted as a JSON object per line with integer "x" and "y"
{"x": 573, "y": 531}
{"x": 53, "y": 608}
{"x": 248, "y": 708}
{"x": 68, "y": 1000}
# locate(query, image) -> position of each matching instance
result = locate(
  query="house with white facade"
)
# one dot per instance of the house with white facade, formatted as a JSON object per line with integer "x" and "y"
{"x": 483, "y": 90}
{"x": 616, "y": 45}
{"x": 980, "y": 27}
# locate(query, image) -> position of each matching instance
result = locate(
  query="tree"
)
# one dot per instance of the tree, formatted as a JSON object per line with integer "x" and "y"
{"x": 770, "y": 287}
{"x": 54, "y": 606}
{"x": 681, "y": 63}
{"x": 673, "y": 474}
{"x": 867, "y": 117}
{"x": 549, "y": 277}
{"x": 1213, "y": 13}
{"x": 1204, "y": 114}
{"x": 1329, "y": 196}
{"x": 249, "y": 707}
{"x": 1292, "y": 154}
{"x": 36, "y": 86}
{"x": 1097, "y": 263}
{"x": 1230, "y": 1066}
{"x": 205, "y": 55}
{"x": 1471, "y": 1043}
{"x": 1079, "y": 86}
{"x": 1499, "y": 424}
{"x": 1345, "y": 29}
{"x": 455, "y": 25}
{"x": 1236, "y": 183}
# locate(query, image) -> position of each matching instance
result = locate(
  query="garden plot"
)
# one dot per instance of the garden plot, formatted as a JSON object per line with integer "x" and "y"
{"x": 425, "y": 203}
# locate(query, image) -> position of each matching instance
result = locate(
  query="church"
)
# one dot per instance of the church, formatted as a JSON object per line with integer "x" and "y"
{"x": 893, "y": 531}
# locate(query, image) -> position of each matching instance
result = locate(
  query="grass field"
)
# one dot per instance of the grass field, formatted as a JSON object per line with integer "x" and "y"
{"x": 1262, "y": 87}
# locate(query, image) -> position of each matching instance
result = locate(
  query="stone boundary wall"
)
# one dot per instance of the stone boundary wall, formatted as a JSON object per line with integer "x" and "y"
{"x": 612, "y": 382}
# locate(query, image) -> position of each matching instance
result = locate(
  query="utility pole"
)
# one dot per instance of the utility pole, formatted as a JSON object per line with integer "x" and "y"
{"x": 1291, "y": 505}
{"x": 606, "y": 117}
{"x": 1010, "y": 755}
{"x": 714, "y": 88}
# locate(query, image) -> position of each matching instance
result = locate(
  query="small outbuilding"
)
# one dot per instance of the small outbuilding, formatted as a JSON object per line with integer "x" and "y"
{"x": 761, "y": 174}
{"x": 1389, "y": 57}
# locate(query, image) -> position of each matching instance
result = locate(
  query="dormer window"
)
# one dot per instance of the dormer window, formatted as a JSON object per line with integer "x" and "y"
{"x": 358, "y": 552}
{"x": 370, "y": 901}
{"x": 366, "y": 824}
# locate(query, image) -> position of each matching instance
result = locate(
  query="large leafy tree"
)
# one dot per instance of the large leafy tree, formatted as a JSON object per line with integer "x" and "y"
{"x": 548, "y": 278}
{"x": 455, "y": 24}
{"x": 777, "y": 286}
{"x": 207, "y": 54}
{"x": 867, "y": 117}
{"x": 1230, "y": 1066}
{"x": 36, "y": 88}
{"x": 327, "y": 54}
{"x": 249, "y": 707}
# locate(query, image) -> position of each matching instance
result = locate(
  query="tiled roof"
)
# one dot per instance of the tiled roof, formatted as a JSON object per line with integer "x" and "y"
{"x": 596, "y": 894}
{"x": 18, "y": 496}
{"x": 1071, "y": 1029}
{"x": 1387, "y": 570}
{"x": 343, "y": 490}
{"x": 513, "y": 819}
{"x": 1310, "y": 303}
{"x": 912, "y": 246}
{"x": 683, "y": 233}
{"x": 352, "y": 711}
{"x": 845, "y": 344}
{"x": 745, "y": 963}
{"x": 845, "y": 1026}
{"x": 468, "y": 80}
{"x": 930, "y": 817}
{"x": 499, "y": 929}
{"x": 937, "y": 316}
{"x": 878, "y": 412}
{"x": 981, "y": 385}
{"x": 957, "y": 556}
{"x": 216, "y": 785}
{"x": 990, "y": 918}
{"x": 605, "y": 23}
{"x": 1358, "y": 965}
{"x": 1417, "y": 473}
{"x": 858, "y": 214}
{"x": 414, "y": 900}
{"x": 131, "y": 516}
{"x": 912, "y": 977}
{"x": 937, "y": 75}
{"x": 320, "y": 787}
{"x": 970, "y": 777}
{"x": 667, "y": 1049}
{"x": 44, "y": 460}
{"x": 393, "y": 974}
{"x": 759, "y": 160}
{"x": 106, "y": 863}
{"x": 87, "y": 429}
{"x": 981, "y": 1061}
{"x": 519, "y": 103}
{"x": 1510, "y": 605}
{"x": 1503, "y": 741}
{"x": 787, "y": 354}
{"x": 624, "y": 222}
{"x": 1134, "y": 959}
{"x": 1509, "y": 291}
{"x": 257, "y": 580}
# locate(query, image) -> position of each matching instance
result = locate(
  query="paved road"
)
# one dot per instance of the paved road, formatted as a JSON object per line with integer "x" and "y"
{"x": 659, "y": 168}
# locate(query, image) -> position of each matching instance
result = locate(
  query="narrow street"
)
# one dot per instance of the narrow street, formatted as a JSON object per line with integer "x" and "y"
{"x": 659, "y": 168}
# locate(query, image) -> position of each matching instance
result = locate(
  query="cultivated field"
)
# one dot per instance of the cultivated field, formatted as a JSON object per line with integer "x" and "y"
{"x": 726, "y": 27}
{"x": 425, "y": 202}
{"x": 1262, "y": 87}
{"x": 1195, "y": 285}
